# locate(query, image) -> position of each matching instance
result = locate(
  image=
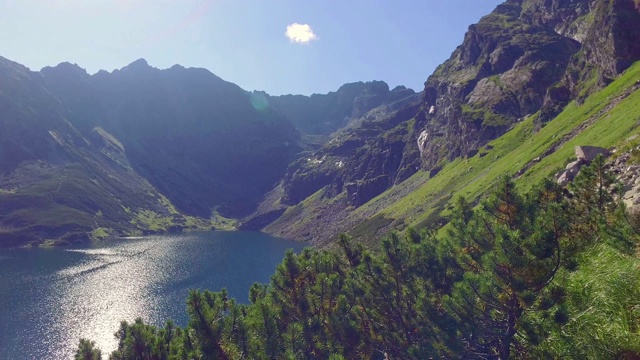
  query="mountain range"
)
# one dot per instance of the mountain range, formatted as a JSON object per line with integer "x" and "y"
{"x": 141, "y": 150}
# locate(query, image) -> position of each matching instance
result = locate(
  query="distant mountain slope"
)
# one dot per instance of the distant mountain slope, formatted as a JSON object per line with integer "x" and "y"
{"x": 359, "y": 162}
{"x": 323, "y": 114}
{"x": 194, "y": 136}
{"x": 523, "y": 63}
{"x": 57, "y": 183}
{"x": 142, "y": 149}
{"x": 132, "y": 151}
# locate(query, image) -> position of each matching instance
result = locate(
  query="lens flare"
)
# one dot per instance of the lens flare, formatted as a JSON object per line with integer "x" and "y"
{"x": 259, "y": 101}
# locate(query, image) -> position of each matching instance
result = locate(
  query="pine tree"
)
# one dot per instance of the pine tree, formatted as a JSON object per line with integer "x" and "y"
{"x": 87, "y": 351}
{"x": 500, "y": 281}
{"x": 510, "y": 252}
{"x": 207, "y": 317}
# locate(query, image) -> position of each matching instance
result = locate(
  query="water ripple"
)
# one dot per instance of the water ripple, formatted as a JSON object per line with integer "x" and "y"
{"x": 53, "y": 297}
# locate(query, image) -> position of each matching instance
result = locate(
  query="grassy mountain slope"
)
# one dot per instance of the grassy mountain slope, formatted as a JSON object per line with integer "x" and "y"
{"x": 607, "y": 119}
{"x": 60, "y": 185}
{"x": 611, "y": 116}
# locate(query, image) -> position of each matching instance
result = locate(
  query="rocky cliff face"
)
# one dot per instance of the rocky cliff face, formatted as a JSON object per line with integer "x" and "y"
{"x": 526, "y": 56}
{"x": 323, "y": 114}
{"x": 364, "y": 160}
{"x": 360, "y": 162}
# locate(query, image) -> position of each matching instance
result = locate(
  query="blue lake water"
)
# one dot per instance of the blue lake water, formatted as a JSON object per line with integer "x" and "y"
{"x": 50, "y": 298}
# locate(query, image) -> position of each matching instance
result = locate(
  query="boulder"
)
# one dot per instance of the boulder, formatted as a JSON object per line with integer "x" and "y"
{"x": 588, "y": 153}
{"x": 574, "y": 165}
{"x": 563, "y": 179}
{"x": 422, "y": 141}
{"x": 629, "y": 194}
{"x": 571, "y": 170}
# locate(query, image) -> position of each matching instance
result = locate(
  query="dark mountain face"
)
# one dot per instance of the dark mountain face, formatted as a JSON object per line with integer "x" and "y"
{"x": 197, "y": 138}
{"x": 364, "y": 160}
{"x": 56, "y": 182}
{"x": 360, "y": 162}
{"x": 22, "y": 137}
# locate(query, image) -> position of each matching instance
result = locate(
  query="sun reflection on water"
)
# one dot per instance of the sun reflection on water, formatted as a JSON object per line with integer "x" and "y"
{"x": 109, "y": 286}
{"x": 55, "y": 297}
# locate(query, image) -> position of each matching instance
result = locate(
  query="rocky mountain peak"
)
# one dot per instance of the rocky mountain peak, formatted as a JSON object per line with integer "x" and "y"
{"x": 526, "y": 56}
{"x": 65, "y": 72}
{"x": 137, "y": 66}
{"x": 323, "y": 114}
{"x": 67, "y": 68}
{"x": 11, "y": 69}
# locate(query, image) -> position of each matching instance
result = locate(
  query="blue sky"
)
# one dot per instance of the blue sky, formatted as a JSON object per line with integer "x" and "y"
{"x": 244, "y": 41}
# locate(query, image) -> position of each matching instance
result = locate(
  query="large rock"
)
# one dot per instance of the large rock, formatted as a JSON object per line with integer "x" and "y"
{"x": 588, "y": 153}
{"x": 571, "y": 170}
{"x": 585, "y": 155}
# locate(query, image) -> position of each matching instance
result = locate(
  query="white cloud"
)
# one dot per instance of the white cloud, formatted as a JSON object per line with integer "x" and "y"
{"x": 300, "y": 33}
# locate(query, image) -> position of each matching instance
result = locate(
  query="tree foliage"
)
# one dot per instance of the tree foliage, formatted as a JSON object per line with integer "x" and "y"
{"x": 547, "y": 274}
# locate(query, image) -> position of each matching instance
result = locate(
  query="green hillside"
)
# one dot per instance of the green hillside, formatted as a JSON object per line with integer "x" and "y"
{"x": 606, "y": 119}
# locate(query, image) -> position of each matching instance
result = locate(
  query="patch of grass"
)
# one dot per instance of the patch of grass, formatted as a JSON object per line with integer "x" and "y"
{"x": 149, "y": 219}
{"x": 216, "y": 221}
{"x": 609, "y": 308}
{"x": 100, "y": 234}
{"x": 303, "y": 209}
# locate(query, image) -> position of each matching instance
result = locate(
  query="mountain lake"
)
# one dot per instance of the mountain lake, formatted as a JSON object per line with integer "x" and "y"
{"x": 51, "y": 297}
